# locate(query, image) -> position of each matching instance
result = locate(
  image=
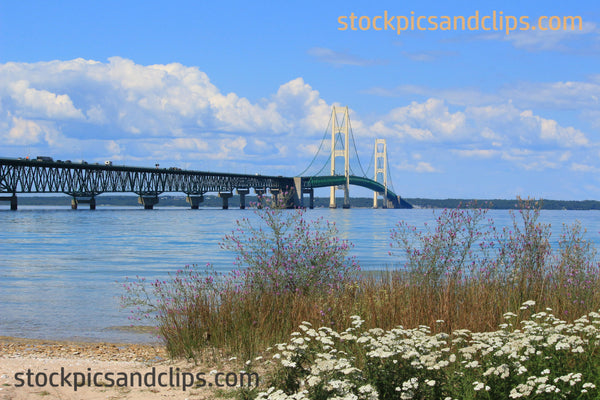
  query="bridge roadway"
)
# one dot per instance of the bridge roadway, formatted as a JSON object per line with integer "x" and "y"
{"x": 83, "y": 182}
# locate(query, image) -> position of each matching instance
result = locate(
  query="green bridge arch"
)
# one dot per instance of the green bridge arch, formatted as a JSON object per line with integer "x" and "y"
{"x": 336, "y": 180}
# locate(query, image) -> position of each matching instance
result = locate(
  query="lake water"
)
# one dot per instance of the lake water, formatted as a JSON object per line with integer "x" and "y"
{"x": 61, "y": 271}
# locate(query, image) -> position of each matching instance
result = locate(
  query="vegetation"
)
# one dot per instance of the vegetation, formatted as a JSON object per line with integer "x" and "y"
{"x": 541, "y": 357}
{"x": 437, "y": 328}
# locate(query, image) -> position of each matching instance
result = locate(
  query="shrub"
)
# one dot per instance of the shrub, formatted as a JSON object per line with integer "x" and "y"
{"x": 289, "y": 269}
{"x": 446, "y": 251}
{"x": 181, "y": 306}
{"x": 284, "y": 252}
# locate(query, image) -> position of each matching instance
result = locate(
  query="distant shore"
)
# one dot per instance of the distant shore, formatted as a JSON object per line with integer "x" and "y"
{"x": 320, "y": 202}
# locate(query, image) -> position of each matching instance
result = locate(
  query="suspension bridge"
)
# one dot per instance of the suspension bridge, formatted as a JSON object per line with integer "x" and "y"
{"x": 84, "y": 182}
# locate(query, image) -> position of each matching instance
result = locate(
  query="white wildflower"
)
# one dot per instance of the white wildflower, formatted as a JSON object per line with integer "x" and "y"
{"x": 288, "y": 363}
{"x": 313, "y": 380}
{"x": 577, "y": 349}
{"x": 298, "y": 340}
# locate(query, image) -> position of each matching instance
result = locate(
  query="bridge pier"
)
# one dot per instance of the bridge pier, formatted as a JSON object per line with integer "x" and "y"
{"x": 243, "y": 193}
{"x": 275, "y": 193}
{"x": 346, "y": 195}
{"x": 311, "y": 201}
{"x": 225, "y": 196}
{"x": 90, "y": 200}
{"x": 13, "y": 201}
{"x": 194, "y": 201}
{"x": 148, "y": 201}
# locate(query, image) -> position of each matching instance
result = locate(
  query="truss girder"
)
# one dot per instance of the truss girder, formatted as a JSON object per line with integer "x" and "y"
{"x": 30, "y": 176}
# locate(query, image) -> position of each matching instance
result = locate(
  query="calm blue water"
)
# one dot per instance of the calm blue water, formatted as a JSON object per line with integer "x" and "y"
{"x": 61, "y": 271}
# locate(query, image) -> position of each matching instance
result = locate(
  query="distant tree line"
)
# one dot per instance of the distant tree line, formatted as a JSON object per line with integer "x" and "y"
{"x": 501, "y": 204}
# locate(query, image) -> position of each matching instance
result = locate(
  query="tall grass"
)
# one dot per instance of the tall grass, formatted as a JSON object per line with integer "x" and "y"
{"x": 461, "y": 273}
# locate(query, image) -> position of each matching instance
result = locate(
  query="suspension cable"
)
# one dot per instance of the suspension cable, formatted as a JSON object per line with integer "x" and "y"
{"x": 355, "y": 151}
{"x": 371, "y": 163}
{"x": 389, "y": 170}
{"x": 318, "y": 151}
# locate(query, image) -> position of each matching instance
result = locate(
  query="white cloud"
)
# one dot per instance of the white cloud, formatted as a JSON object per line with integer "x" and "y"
{"x": 550, "y": 130}
{"x": 564, "y": 40}
{"x": 570, "y": 95}
{"x": 23, "y": 132}
{"x": 112, "y": 147}
{"x": 302, "y": 107}
{"x": 420, "y": 167}
{"x": 42, "y": 103}
{"x": 427, "y": 56}
{"x": 430, "y": 120}
{"x": 173, "y": 113}
{"x": 584, "y": 168}
{"x": 339, "y": 58}
{"x": 530, "y": 160}
{"x": 479, "y": 153}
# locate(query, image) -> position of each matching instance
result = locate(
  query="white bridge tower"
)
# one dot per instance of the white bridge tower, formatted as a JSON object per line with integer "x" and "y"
{"x": 381, "y": 162}
{"x": 337, "y": 130}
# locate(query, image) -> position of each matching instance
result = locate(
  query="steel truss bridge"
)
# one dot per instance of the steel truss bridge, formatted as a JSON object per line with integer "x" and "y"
{"x": 84, "y": 182}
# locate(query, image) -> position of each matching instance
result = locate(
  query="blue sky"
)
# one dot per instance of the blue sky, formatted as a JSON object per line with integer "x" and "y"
{"x": 248, "y": 87}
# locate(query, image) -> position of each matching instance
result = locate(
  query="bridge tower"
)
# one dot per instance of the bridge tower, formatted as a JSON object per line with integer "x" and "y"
{"x": 380, "y": 168}
{"x": 337, "y": 130}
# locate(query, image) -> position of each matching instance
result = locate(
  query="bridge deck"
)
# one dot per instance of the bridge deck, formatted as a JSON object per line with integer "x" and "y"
{"x": 85, "y": 181}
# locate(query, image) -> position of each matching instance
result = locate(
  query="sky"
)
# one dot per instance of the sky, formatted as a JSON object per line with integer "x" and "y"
{"x": 248, "y": 87}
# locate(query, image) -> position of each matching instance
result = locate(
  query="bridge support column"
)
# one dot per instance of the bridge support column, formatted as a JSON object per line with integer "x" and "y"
{"x": 195, "y": 201}
{"x": 148, "y": 201}
{"x": 89, "y": 200}
{"x": 311, "y": 201}
{"x": 225, "y": 196}
{"x": 298, "y": 198}
{"x": 275, "y": 193}
{"x": 243, "y": 193}
{"x": 13, "y": 201}
{"x": 346, "y": 197}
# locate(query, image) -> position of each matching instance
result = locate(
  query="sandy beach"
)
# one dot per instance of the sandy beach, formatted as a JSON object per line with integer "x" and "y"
{"x": 72, "y": 370}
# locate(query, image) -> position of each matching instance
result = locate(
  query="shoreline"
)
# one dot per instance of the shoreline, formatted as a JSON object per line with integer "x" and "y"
{"x": 42, "y": 358}
{"x": 110, "y": 351}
